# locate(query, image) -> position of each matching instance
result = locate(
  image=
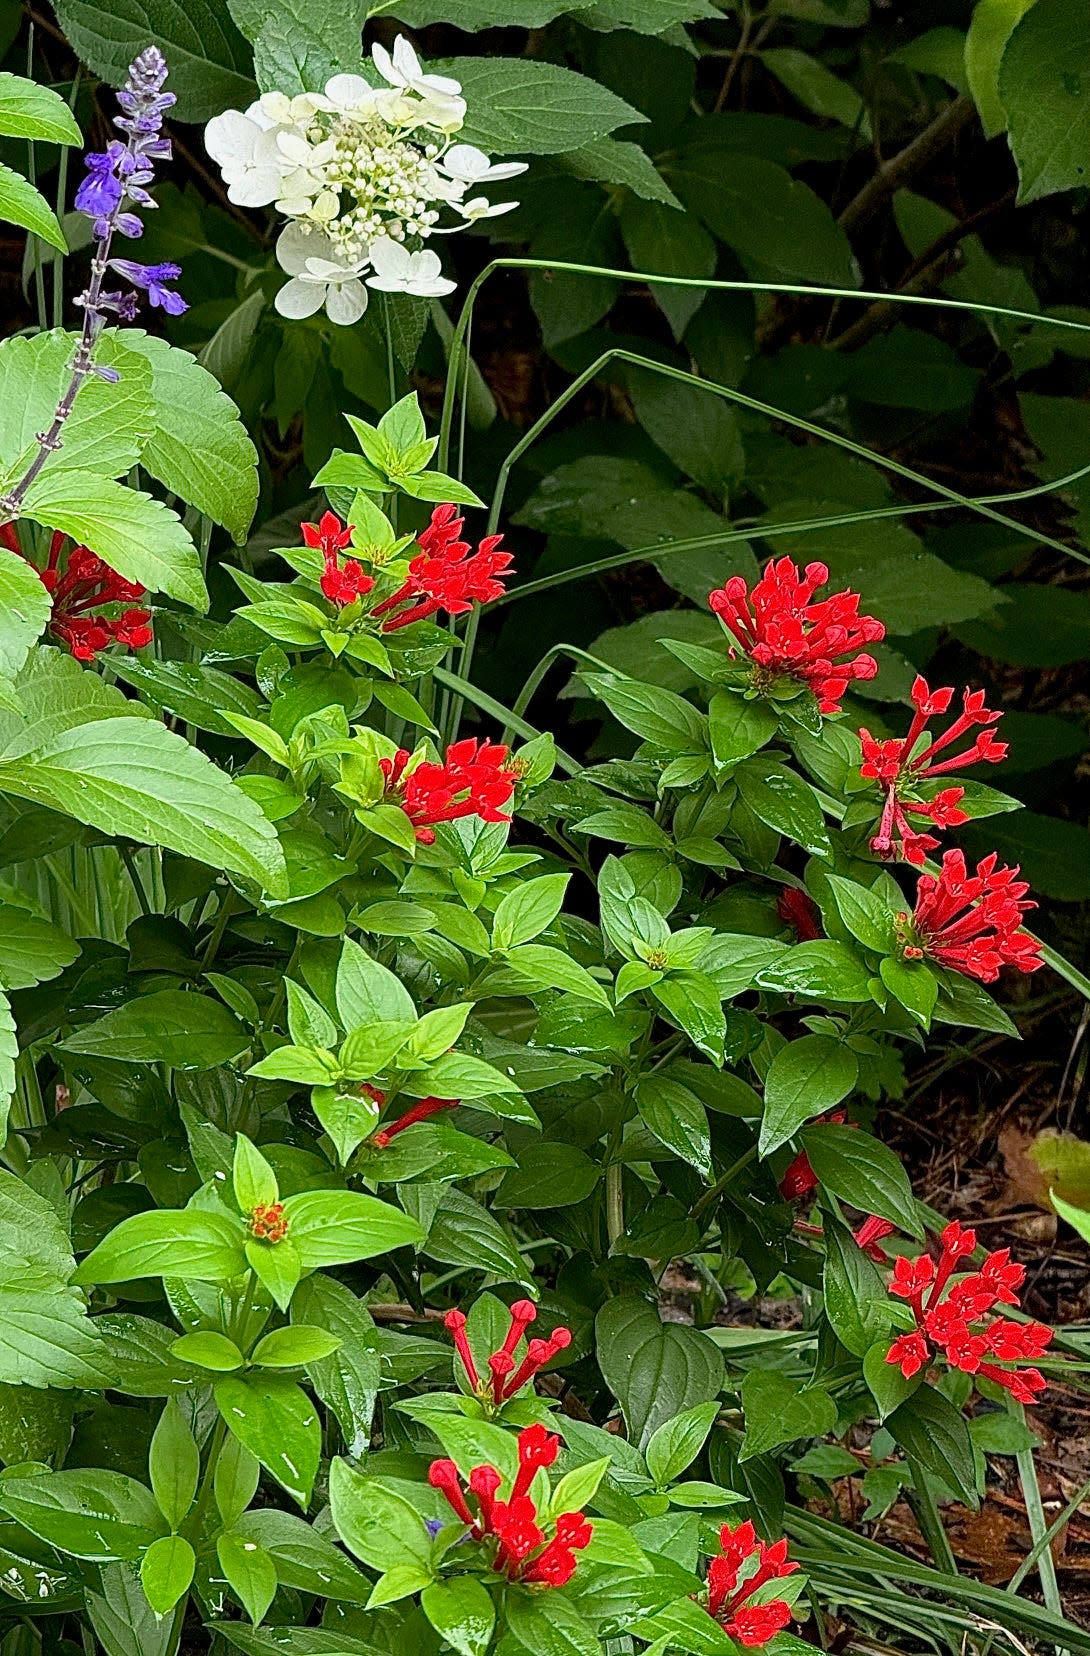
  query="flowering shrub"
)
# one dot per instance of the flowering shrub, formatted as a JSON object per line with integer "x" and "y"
{"x": 353, "y": 1126}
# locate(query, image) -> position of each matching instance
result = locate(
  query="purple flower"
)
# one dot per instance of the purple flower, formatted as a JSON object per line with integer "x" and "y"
{"x": 101, "y": 191}
{"x": 433, "y": 1526}
{"x": 153, "y": 279}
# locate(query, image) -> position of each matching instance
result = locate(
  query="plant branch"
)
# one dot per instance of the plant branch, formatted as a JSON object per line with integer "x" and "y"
{"x": 892, "y": 175}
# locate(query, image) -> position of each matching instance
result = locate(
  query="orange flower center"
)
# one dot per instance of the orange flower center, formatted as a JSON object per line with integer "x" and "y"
{"x": 269, "y": 1223}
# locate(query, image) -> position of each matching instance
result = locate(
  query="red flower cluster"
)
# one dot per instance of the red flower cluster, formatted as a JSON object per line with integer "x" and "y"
{"x": 80, "y": 592}
{"x": 899, "y": 768}
{"x": 785, "y": 634}
{"x": 505, "y": 1379}
{"x": 522, "y": 1550}
{"x": 442, "y": 576}
{"x": 421, "y": 1111}
{"x": 475, "y": 779}
{"x": 971, "y": 922}
{"x": 750, "y": 1624}
{"x": 944, "y": 1321}
{"x": 342, "y": 583}
{"x": 269, "y": 1222}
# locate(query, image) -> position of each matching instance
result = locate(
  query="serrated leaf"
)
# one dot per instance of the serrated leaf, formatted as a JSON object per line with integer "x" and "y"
{"x": 22, "y": 204}
{"x": 198, "y": 447}
{"x": 1045, "y": 91}
{"x": 133, "y": 778}
{"x": 527, "y": 107}
{"x": 133, "y": 532}
{"x": 25, "y": 607}
{"x": 108, "y": 425}
{"x": 28, "y": 110}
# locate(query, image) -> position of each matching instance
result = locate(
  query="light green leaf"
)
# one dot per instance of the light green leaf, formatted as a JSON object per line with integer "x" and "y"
{"x": 198, "y": 447}
{"x": 9, "y": 1051}
{"x": 25, "y": 607}
{"x": 529, "y": 107}
{"x": 28, "y": 110}
{"x": 22, "y": 204}
{"x": 108, "y": 425}
{"x": 166, "y": 1571}
{"x": 461, "y": 1612}
{"x": 172, "y": 1026}
{"x": 136, "y": 534}
{"x": 273, "y": 1418}
{"x": 133, "y": 778}
{"x": 1044, "y": 88}
{"x": 990, "y": 28}
{"x": 31, "y": 950}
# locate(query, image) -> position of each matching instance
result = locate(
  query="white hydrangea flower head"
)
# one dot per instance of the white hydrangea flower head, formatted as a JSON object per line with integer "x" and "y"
{"x": 365, "y": 177}
{"x": 396, "y": 270}
{"x": 318, "y": 277}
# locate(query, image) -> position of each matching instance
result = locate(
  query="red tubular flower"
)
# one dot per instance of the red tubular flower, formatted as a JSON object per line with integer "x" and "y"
{"x": 971, "y": 922}
{"x": 786, "y": 634}
{"x": 899, "y": 769}
{"x": 799, "y": 1178}
{"x": 947, "y": 1317}
{"x": 420, "y": 1111}
{"x": 342, "y": 583}
{"x": 517, "y": 1538}
{"x": 473, "y": 780}
{"x": 871, "y": 1234}
{"x": 81, "y": 591}
{"x": 442, "y": 576}
{"x": 750, "y": 1624}
{"x": 799, "y": 910}
{"x": 506, "y": 1380}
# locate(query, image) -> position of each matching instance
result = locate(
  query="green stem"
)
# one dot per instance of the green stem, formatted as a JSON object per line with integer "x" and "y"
{"x": 128, "y": 857}
{"x": 703, "y": 1203}
{"x": 926, "y": 1512}
{"x": 614, "y": 1202}
{"x": 1038, "y": 1529}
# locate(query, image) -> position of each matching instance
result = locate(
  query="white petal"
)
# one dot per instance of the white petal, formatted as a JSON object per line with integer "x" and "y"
{"x": 406, "y": 61}
{"x": 346, "y": 303}
{"x": 297, "y": 246}
{"x": 298, "y": 299}
{"x": 230, "y": 137}
{"x": 390, "y": 258}
{"x": 349, "y": 92}
{"x": 254, "y": 186}
{"x": 465, "y": 161}
{"x": 506, "y": 169}
{"x": 384, "y": 64}
{"x": 293, "y": 147}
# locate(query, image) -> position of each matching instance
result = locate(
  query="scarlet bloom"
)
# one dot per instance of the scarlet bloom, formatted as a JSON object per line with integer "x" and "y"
{"x": 798, "y": 909}
{"x": 948, "y": 1317}
{"x": 444, "y": 575}
{"x": 971, "y": 922}
{"x": 81, "y": 591}
{"x": 505, "y": 1376}
{"x": 748, "y": 1623}
{"x": 786, "y": 634}
{"x": 799, "y": 1178}
{"x": 900, "y": 769}
{"x": 420, "y": 1111}
{"x": 473, "y": 780}
{"x": 513, "y": 1532}
{"x": 269, "y": 1222}
{"x": 342, "y": 583}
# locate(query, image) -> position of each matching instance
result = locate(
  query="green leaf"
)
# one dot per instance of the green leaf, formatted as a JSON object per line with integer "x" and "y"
{"x": 275, "y": 1420}
{"x": 199, "y": 695}
{"x": 347, "y": 1381}
{"x": 31, "y": 951}
{"x": 133, "y": 778}
{"x": 856, "y": 1168}
{"x": 198, "y": 446}
{"x": 738, "y": 727}
{"x": 253, "y": 1179}
{"x": 166, "y": 1572}
{"x": 785, "y": 802}
{"x": 461, "y": 1232}
{"x": 376, "y": 1523}
{"x": 677, "y": 1118}
{"x": 1044, "y": 90}
{"x": 855, "y": 1294}
{"x": 657, "y": 715}
{"x": 528, "y": 107}
{"x": 337, "y": 1227}
{"x": 911, "y": 983}
{"x": 9, "y": 1051}
{"x": 28, "y": 110}
{"x": 550, "y": 1626}
{"x": 676, "y": 1443}
{"x": 108, "y": 425}
{"x": 88, "y": 1513}
{"x": 864, "y": 913}
{"x": 779, "y": 1410}
{"x": 816, "y": 87}
{"x": 305, "y": 1559}
{"x": 887, "y": 1384}
{"x": 653, "y": 244}
{"x": 174, "y": 1464}
{"x": 610, "y": 161}
{"x": 461, "y": 1612}
{"x": 173, "y": 1026}
{"x": 210, "y": 1350}
{"x": 134, "y": 533}
{"x": 806, "y": 1077}
{"x": 368, "y": 992}
{"x": 556, "y": 1175}
{"x": 990, "y": 28}
{"x": 821, "y": 971}
{"x": 934, "y": 1436}
{"x": 22, "y": 204}
{"x": 25, "y": 607}
{"x": 655, "y": 1370}
{"x": 206, "y": 1247}
{"x": 525, "y": 912}
{"x": 250, "y": 1573}
{"x": 209, "y": 60}
{"x": 692, "y": 1001}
